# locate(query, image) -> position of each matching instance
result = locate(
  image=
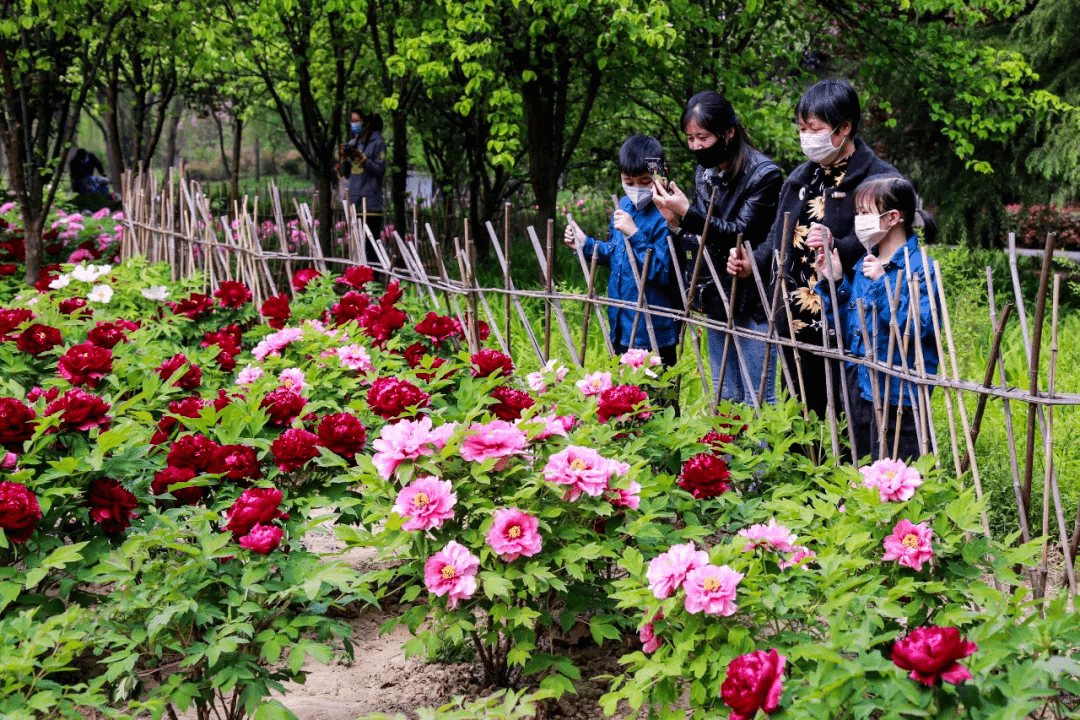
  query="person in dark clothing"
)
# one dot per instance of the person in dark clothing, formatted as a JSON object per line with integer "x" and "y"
{"x": 819, "y": 199}
{"x": 365, "y": 166}
{"x": 747, "y": 184}
{"x": 85, "y": 168}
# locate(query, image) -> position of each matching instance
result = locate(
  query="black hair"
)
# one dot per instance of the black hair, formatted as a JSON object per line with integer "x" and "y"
{"x": 832, "y": 101}
{"x": 892, "y": 192}
{"x": 714, "y": 113}
{"x": 633, "y": 152}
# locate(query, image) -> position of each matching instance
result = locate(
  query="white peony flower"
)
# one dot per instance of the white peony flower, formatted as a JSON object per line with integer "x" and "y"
{"x": 85, "y": 273}
{"x": 155, "y": 292}
{"x": 103, "y": 270}
{"x": 100, "y": 294}
{"x": 60, "y": 282}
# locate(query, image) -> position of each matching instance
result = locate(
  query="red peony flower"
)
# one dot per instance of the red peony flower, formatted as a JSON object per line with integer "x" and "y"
{"x": 263, "y": 539}
{"x": 705, "y": 475}
{"x": 37, "y": 392}
{"x": 227, "y": 338}
{"x": 255, "y": 506}
{"x": 8, "y": 269}
{"x": 19, "y": 512}
{"x": 71, "y": 305}
{"x": 351, "y": 306}
{"x": 85, "y": 364}
{"x": 224, "y": 399}
{"x": 236, "y": 462}
{"x": 193, "y": 307}
{"x": 193, "y": 452}
{"x": 38, "y": 339}
{"x": 111, "y": 505}
{"x": 482, "y": 328}
{"x": 510, "y": 403}
{"x": 357, "y": 276}
{"x": 342, "y": 433}
{"x": 276, "y": 310}
{"x": 439, "y": 327}
{"x": 932, "y": 652}
{"x": 226, "y": 361}
{"x": 754, "y": 682}
{"x": 10, "y": 320}
{"x": 619, "y": 401}
{"x": 488, "y": 362}
{"x": 232, "y": 294}
{"x": 16, "y": 423}
{"x": 294, "y": 449}
{"x": 379, "y": 323}
{"x": 415, "y": 354}
{"x": 165, "y": 480}
{"x": 190, "y": 380}
{"x": 391, "y": 398}
{"x": 109, "y": 334}
{"x": 283, "y": 405}
{"x": 79, "y": 410}
{"x": 303, "y": 277}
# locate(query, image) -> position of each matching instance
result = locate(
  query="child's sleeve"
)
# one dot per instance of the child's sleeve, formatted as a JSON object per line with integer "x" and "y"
{"x": 603, "y": 249}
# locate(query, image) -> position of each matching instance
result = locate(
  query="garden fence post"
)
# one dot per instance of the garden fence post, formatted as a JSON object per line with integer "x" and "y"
{"x": 556, "y": 305}
{"x": 695, "y": 331}
{"x": 504, "y": 261}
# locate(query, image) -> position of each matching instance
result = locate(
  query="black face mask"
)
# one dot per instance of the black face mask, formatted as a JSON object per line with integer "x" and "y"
{"x": 715, "y": 154}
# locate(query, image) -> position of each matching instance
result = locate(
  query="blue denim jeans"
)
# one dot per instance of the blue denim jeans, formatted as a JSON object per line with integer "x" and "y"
{"x": 735, "y": 386}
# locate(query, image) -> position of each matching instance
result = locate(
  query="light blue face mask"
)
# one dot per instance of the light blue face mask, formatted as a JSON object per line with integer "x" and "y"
{"x": 638, "y": 195}
{"x": 357, "y": 127}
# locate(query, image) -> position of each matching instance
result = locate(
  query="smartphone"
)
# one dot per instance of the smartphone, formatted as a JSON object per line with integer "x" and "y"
{"x": 658, "y": 170}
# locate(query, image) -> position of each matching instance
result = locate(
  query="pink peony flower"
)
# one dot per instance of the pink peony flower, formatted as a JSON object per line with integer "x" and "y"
{"x": 452, "y": 572}
{"x": 627, "y": 498}
{"x": 910, "y": 544}
{"x": 292, "y": 379}
{"x": 647, "y": 634}
{"x": 668, "y": 571}
{"x": 754, "y": 682}
{"x": 638, "y": 358}
{"x": 496, "y": 439}
{"x": 263, "y": 539}
{"x": 401, "y": 441}
{"x": 932, "y": 652}
{"x": 249, "y": 374}
{"x": 426, "y": 502}
{"x": 594, "y": 383}
{"x": 895, "y": 481}
{"x": 355, "y": 357}
{"x": 583, "y": 469}
{"x": 768, "y": 537}
{"x": 711, "y": 589}
{"x": 514, "y": 534}
{"x": 799, "y": 557}
{"x": 550, "y": 425}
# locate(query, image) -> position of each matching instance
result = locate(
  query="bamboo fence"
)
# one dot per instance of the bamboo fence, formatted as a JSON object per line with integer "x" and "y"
{"x": 171, "y": 222}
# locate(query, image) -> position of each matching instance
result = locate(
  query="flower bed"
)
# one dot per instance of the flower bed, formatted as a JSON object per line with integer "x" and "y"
{"x": 167, "y": 453}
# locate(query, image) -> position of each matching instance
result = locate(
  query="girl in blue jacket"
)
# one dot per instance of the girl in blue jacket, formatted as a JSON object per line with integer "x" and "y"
{"x": 638, "y": 221}
{"x": 887, "y": 214}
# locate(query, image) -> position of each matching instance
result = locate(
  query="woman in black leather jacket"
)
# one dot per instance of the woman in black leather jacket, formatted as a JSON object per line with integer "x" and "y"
{"x": 747, "y": 184}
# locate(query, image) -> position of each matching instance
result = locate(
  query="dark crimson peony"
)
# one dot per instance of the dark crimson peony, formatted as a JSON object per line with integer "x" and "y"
{"x": 109, "y": 334}
{"x": 193, "y": 452}
{"x": 754, "y": 682}
{"x": 165, "y": 480}
{"x": 379, "y": 323}
{"x": 276, "y": 311}
{"x": 303, "y": 277}
{"x": 226, "y": 361}
{"x": 19, "y": 511}
{"x": 255, "y": 506}
{"x": 415, "y": 354}
{"x": 351, "y": 306}
{"x": 71, "y": 305}
{"x": 79, "y": 410}
{"x": 16, "y": 423}
{"x": 11, "y": 319}
{"x": 283, "y": 405}
{"x": 705, "y": 475}
{"x": 232, "y": 294}
{"x": 342, "y": 433}
{"x": 619, "y": 401}
{"x": 931, "y": 653}
{"x": 294, "y": 449}
{"x": 85, "y": 364}
{"x": 38, "y": 339}
{"x": 482, "y": 328}
{"x": 227, "y": 338}
{"x": 224, "y": 399}
{"x": 8, "y": 269}
{"x": 438, "y": 327}
{"x": 490, "y": 362}
{"x": 194, "y": 306}
{"x": 190, "y": 380}
{"x": 236, "y": 462}
{"x": 511, "y": 403}
{"x": 37, "y": 392}
{"x": 390, "y": 398}
{"x": 111, "y": 505}
{"x": 717, "y": 440}
{"x": 263, "y": 539}
{"x": 357, "y": 276}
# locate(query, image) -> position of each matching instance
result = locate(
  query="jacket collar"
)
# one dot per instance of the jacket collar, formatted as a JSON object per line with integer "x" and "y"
{"x": 912, "y": 247}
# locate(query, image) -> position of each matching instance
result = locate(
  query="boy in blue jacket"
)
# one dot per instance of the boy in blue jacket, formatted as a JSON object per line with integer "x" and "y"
{"x": 639, "y": 222}
{"x": 886, "y": 214}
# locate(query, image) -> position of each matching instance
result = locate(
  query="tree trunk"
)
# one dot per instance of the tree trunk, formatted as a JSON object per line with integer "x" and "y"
{"x": 237, "y": 147}
{"x": 400, "y": 172}
{"x": 32, "y": 223}
{"x": 258, "y": 179}
{"x": 113, "y": 151}
{"x": 170, "y": 138}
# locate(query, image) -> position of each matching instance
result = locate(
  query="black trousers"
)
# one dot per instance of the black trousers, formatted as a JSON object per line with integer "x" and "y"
{"x": 813, "y": 392}
{"x": 867, "y": 438}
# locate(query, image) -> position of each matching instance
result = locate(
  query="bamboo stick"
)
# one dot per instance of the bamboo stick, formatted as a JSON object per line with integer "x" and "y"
{"x": 556, "y": 305}
{"x": 504, "y": 261}
{"x": 988, "y": 379}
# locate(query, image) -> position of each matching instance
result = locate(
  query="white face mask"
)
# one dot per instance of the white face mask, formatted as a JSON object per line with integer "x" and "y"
{"x": 638, "y": 195}
{"x": 868, "y": 229}
{"x": 817, "y": 146}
